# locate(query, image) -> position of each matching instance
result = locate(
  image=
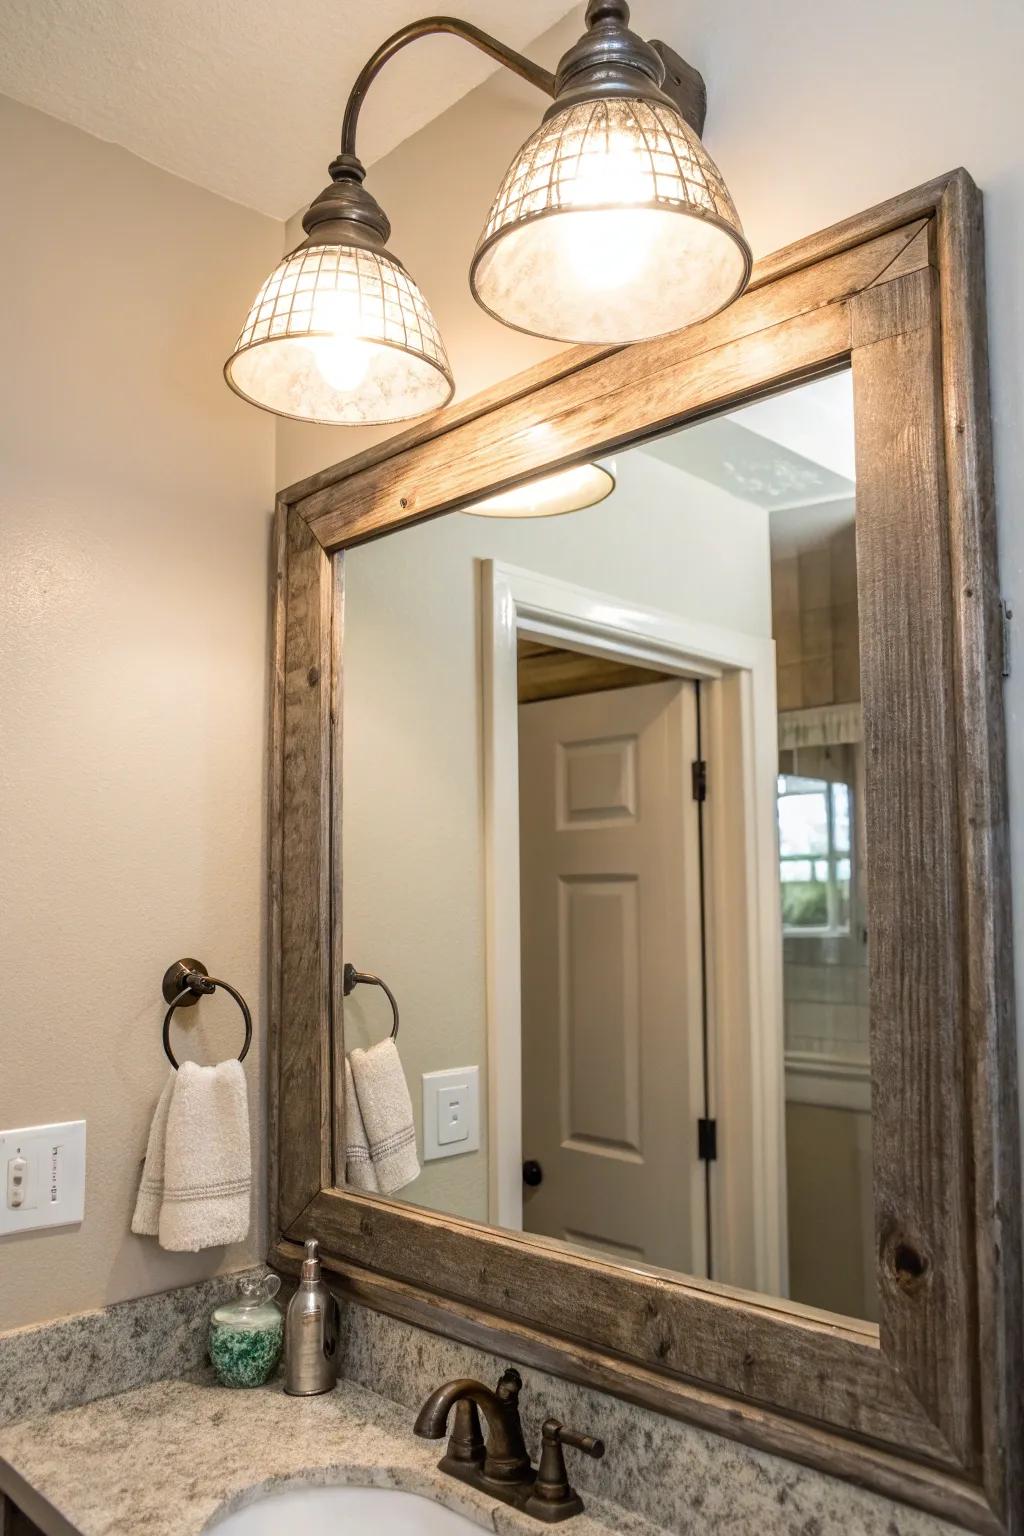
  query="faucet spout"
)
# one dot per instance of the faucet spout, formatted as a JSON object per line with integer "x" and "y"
{"x": 432, "y": 1419}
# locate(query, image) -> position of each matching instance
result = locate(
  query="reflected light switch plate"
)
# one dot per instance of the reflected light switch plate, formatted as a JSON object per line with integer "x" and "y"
{"x": 451, "y": 1112}
{"x": 42, "y": 1176}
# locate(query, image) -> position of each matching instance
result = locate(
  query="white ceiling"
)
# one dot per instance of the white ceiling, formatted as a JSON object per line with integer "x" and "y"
{"x": 792, "y": 454}
{"x": 244, "y": 97}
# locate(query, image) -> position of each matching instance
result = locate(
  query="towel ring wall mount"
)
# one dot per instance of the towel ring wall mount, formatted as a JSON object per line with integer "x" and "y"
{"x": 184, "y": 983}
{"x": 351, "y": 978}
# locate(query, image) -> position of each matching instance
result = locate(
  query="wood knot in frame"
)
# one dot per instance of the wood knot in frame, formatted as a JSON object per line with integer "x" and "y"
{"x": 907, "y": 1265}
{"x": 313, "y": 676}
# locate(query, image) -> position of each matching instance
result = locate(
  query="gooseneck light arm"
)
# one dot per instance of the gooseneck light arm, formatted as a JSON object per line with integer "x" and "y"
{"x": 543, "y": 79}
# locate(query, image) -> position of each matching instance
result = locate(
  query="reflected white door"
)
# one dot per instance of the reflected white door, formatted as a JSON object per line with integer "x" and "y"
{"x": 611, "y": 972}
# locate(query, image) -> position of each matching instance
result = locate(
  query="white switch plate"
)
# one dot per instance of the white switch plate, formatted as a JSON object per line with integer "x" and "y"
{"x": 451, "y": 1112}
{"x": 42, "y": 1176}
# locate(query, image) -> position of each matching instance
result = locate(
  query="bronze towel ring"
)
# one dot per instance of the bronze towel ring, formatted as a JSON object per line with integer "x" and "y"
{"x": 184, "y": 983}
{"x": 350, "y": 978}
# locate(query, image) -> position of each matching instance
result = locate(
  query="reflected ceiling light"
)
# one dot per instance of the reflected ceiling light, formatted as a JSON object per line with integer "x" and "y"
{"x": 612, "y": 224}
{"x": 567, "y": 490}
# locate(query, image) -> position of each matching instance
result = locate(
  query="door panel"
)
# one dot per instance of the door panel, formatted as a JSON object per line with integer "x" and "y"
{"x": 599, "y": 1001}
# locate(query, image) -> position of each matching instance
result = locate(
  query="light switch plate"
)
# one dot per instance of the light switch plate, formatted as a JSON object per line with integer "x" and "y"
{"x": 42, "y": 1176}
{"x": 451, "y": 1112}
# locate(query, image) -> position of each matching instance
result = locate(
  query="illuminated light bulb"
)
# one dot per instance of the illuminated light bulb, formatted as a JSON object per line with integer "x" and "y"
{"x": 341, "y": 357}
{"x": 602, "y": 241}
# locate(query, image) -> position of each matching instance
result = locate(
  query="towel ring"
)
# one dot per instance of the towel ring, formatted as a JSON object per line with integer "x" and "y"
{"x": 184, "y": 983}
{"x": 351, "y": 978}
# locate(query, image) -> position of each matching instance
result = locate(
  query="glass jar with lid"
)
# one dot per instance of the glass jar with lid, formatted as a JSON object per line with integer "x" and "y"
{"x": 246, "y": 1334}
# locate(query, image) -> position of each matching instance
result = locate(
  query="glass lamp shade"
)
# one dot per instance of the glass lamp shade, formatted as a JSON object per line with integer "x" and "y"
{"x": 341, "y": 335}
{"x": 612, "y": 224}
{"x": 567, "y": 490}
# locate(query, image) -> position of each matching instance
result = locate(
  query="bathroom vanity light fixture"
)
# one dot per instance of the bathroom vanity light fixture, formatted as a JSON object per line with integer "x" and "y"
{"x": 567, "y": 490}
{"x": 612, "y": 224}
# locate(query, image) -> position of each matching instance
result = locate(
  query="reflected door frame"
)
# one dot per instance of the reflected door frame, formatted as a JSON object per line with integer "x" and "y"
{"x": 740, "y": 742}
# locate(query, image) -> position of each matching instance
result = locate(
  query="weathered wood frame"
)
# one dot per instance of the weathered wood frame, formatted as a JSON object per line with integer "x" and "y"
{"x": 927, "y": 1407}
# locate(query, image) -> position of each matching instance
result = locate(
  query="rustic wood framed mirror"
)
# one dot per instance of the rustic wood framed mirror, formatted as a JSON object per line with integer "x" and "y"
{"x": 925, "y": 1403}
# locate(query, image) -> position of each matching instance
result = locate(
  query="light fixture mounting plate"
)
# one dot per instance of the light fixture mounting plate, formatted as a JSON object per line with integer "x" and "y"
{"x": 685, "y": 85}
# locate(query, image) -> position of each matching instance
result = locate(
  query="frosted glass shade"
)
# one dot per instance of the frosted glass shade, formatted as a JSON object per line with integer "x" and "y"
{"x": 341, "y": 335}
{"x": 567, "y": 490}
{"x": 612, "y": 224}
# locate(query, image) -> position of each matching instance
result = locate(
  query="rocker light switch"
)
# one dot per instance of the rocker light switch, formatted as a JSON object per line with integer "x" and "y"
{"x": 42, "y": 1176}
{"x": 451, "y": 1112}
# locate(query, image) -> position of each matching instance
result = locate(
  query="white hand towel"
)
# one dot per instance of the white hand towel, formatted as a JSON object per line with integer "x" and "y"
{"x": 146, "y": 1220}
{"x": 387, "y": 1115}
{"x": 358, "y": 1165}
{"x": 208, "y": 1162}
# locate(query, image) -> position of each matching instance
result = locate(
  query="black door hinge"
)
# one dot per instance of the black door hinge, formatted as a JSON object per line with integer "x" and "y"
{"x": 700, "y": 779}
{"x": 707, "y": 1140}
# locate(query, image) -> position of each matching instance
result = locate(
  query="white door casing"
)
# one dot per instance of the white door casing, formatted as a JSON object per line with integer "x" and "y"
{"x": 743, "y": 924}
{"x": 613, "y": 1051}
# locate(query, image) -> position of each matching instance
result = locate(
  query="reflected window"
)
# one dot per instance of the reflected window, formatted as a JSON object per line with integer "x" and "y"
{"x": 815, "y": 866}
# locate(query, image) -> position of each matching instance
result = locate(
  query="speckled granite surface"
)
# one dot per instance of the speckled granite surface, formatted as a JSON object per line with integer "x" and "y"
{"x": 680, "y": 1477}
{"x": 197, "y": 1447}
{"x": 173, "y": 1458}
{"x": 92, "y": 1354}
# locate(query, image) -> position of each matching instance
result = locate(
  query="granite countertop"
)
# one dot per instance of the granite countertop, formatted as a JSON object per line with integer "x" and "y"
{"x": 172, "y": 1458}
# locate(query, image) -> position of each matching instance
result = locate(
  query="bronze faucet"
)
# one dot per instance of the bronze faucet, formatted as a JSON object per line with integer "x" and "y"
{"x": 501, "y": 1467}
{"x": 504, "y": 1464}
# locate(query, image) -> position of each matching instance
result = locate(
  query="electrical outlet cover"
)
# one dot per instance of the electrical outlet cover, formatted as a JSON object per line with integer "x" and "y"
{"x": 50, "y": 1191}
{"x": 451, "y": 1112}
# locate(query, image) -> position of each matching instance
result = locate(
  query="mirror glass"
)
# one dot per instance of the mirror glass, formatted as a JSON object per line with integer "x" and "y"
{"x": 603, "y": 838}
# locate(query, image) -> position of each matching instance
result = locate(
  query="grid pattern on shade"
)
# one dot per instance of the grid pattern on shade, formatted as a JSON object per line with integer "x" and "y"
{"x": 605, "y": 154}
{"x": 311, "y": 291}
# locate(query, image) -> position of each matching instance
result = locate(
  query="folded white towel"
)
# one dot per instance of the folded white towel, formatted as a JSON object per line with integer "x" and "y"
{"x": 387, "y": 1115}
{"x": 358, "y": 1166}
{"x": 208, "y": 1159}
{"x": 146, "y": 1220}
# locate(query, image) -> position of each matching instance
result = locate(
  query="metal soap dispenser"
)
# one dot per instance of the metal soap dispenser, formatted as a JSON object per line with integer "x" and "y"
{"x": 311, "y": 1335}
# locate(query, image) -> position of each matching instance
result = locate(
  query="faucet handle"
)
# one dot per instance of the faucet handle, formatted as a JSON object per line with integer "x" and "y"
{"x": 552, "y": 1498}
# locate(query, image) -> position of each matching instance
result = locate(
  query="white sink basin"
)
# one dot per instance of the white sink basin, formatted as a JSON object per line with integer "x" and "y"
{"x": 334, "y": 1511}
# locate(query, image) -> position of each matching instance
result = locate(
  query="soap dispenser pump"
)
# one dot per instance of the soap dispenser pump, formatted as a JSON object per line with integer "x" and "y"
{"x": 311, "y": 1333}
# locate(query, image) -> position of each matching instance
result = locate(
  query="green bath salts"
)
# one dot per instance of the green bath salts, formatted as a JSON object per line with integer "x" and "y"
{"x": 245, "y": 1357}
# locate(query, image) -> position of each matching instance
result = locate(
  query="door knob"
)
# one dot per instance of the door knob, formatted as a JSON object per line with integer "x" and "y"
{"x": 533, "y": 1173}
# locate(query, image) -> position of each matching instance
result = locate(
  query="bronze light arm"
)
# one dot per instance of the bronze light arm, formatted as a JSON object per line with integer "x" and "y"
{"x": 527, "y": 70}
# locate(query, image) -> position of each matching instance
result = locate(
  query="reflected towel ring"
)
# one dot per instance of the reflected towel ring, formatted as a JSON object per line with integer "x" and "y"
{"x": 351, "y": 978}
{"x": 184, "y": 983}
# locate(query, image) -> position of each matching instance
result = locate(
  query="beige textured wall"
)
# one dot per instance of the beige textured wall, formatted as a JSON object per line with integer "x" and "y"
{"x": 135, "y": 492}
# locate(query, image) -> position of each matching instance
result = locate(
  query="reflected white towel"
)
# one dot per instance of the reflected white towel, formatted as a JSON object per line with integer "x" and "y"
{"x": 358, "y": 1166}
{"x": 146, "y": 1220}
{"x": 208, "y": 1159}
{"x": 387, "y": 1115}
